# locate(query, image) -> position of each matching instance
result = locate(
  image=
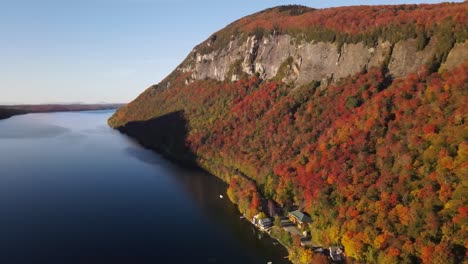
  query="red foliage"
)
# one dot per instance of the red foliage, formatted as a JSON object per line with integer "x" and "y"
{"x": 358, "y": 154}
{"x": 357, "y": 19}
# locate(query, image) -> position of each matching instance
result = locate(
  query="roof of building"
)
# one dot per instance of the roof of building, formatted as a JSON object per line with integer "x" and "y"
{"x": 336, "y": 253}
{"x": 335, "y": 248}
{"x": 300, "y": 216}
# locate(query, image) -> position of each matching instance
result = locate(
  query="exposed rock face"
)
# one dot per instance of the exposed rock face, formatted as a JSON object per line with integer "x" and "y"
{"x": 406, "y": 58}
{"x": 273, "y": 51}
{"x": 458, "y": 55}
{"x": 255, "y": 103}
{"x": 314, "y": 61}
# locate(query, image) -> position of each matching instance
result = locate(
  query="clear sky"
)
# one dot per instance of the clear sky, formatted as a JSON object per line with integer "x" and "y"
{"x": 61, "y": 51}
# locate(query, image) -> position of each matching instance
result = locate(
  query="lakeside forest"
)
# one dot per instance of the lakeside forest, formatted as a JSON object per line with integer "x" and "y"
{"x": 379, "y": 163}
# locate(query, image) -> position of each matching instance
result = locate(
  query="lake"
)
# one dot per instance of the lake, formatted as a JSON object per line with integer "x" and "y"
{"x": 73, "y": 190}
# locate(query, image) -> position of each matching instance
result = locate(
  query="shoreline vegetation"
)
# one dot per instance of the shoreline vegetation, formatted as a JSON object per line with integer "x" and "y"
{"x": 167, "y": 135}
{"x": 7, "y": 111}
{"x": 375, "y": 156}
{"x": 261, "y": 204}
{"x": 251, "y": 203}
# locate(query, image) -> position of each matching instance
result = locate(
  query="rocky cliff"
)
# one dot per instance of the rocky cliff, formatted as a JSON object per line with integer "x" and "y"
{"x": 356, "y": 114}
{"x": 316, "y": 52}
{"x": 311, "y": 61}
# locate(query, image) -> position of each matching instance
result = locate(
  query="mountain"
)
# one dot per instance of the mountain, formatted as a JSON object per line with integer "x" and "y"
{"x": 357, "y": 115}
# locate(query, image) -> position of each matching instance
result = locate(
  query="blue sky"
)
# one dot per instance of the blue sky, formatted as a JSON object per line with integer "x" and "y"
{"x": 60, "y": 51}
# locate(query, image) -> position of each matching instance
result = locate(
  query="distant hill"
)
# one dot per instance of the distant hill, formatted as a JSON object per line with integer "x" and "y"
{"x": 357, "y": 114}
{"x": 11, "y": 110}
{"x": 6, "y": 112}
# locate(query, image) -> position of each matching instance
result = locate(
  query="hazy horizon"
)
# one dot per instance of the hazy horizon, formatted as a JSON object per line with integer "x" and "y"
{"x": 95, "y": 51}
{"x": 6, "y": 103}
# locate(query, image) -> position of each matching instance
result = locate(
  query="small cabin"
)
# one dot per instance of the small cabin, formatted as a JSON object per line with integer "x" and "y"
{"x": 336, "y": 253}
{"x": 264, "y": 223}
{"x": 299, "y": 218}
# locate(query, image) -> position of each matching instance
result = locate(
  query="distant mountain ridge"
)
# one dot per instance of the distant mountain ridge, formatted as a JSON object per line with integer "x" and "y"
{"x": 7, "y": 111}
{"x": 357, "y": 114}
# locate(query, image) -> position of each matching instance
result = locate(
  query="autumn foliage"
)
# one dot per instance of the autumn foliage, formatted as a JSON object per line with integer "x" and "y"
{"x": 354, "y": 19}
{"x": 380, "y": 165}
{"x": 353, "y": 24}
{"x": 380, "y": 168}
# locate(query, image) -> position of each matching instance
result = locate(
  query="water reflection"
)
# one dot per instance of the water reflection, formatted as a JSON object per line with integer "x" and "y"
{"x": 80, "y": 192}
{"x": 142, "y": 155}
{"x": 35, "y": 129}
{"x": 97, "y": 130}
{"x": 74, "y": 138}
{"x": 204, "y": 190}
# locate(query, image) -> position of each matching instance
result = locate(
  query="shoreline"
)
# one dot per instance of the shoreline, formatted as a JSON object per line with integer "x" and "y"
{"x": 7, "y": 111}
{"x": 200, "y": 163}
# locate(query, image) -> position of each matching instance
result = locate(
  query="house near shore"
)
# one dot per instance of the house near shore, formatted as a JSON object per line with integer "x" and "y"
{"x": 264, "y": 223}
{"x": 299, "y": 218}
{"x": 336, "y": 253}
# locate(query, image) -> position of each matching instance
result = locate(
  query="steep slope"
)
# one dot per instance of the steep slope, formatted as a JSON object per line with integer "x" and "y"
{"x": 356, "y": 114}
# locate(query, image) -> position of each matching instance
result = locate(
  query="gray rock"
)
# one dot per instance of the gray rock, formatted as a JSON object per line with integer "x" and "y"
{"x": 313, "y": 61}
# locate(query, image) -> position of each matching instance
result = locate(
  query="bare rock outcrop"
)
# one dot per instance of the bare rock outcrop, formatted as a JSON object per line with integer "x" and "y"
{"x": 458, "y": 55}
{"x": 406, "y": 58}
{"x": 314, "y": 61}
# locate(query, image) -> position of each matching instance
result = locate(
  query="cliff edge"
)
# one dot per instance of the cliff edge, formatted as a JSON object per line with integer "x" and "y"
{"x": 355, "y": 114}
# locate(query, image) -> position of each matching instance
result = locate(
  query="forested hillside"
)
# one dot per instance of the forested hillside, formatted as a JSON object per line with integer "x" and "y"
{"x": 379, "y": 162}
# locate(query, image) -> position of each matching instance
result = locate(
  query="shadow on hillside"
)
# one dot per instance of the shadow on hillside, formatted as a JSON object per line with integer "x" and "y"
{"x": 165, "y": 134}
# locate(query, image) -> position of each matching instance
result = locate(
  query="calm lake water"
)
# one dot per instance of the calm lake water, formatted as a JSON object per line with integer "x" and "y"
{"x": 72, "y": 190}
